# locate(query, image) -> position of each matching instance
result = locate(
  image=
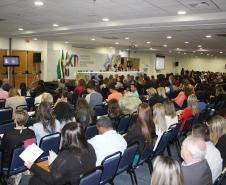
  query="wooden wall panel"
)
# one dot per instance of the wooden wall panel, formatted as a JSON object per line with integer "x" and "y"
{"x": 3, "y": 70}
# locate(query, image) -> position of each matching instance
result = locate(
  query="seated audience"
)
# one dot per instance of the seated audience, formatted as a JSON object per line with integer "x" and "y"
{"x": 6, "y": 86}
{"x": 170, "y": 113}
{"x": 64, "y": 96}
{"x": 159, "y": 120}
{"x": 44, "y": 97}
{"x": 3, "y": 94}
{"x": 64, "y": 113}
{"x": 213, "y": 155}
{"x": 15, "y": 99}
{"x": 182, "y": 96}
{"x": 108, "y": 141}
{"x": 114, "y": 93}
{"x": 166, "y": 171}
{"x": 129, "y": 103}
{"x": 134, "y": 91}
{"x": 80, "y": 88}
{"x": 93, "y": 98}
{"x": 220, "y": 95}
{"x": 76, "y": 157}
{"x": 23, "y": 90}
{"x": 195, "y": 168}
{"x": 61, "y": 86}
{"x": 114, "y": 111}
{"x": 17, "y": 136}
{"x": 217, "y": 126}
{"x": 41, "y": 88}
{"x": 162, "y": 93}
{"x": 143, "y": 130}
{"x": 46, "y": 124}
{"x": 201, "y": 100}
{"x": 153, "y": 97}
{"x": 84, "y": 114}
{"x": 191, "y": 110}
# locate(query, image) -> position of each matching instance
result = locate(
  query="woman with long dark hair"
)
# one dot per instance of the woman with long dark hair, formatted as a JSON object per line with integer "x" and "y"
{"x": 46, "y": 122}
{"x": 143, "y": 130}
{"x": 76, "y": 158}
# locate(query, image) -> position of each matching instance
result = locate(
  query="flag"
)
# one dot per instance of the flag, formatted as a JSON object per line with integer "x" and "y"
{"x": 70, "y": 61}
{"x": 75, "y": 60}
{"x": 67, "y": 59}
{"x": 60, "y": 67}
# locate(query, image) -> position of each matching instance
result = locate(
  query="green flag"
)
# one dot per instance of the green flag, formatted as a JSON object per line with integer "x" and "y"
{"x": 60, "y": 67}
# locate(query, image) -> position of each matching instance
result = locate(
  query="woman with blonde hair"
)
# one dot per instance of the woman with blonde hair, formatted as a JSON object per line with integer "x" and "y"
{"x": 217, "y": 126}
{"x": 167, "y": 171}
{"x": 191, "y": 110}
{"x": 15, "y": 99}
{"x": 162, "y": 92}
{"x": 159, "y": 120}
{"x": 170, "y": 113}
{"x": 154, "y": 97}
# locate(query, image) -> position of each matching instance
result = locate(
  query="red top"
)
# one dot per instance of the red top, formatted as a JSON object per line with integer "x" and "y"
{"x": 80, "y": 89}
{"x": 184, "y": 116}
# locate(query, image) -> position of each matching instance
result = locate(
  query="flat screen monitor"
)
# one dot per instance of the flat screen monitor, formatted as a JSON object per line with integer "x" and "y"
{"x": 160, "y": 62}
{"x": 11, "y": 61}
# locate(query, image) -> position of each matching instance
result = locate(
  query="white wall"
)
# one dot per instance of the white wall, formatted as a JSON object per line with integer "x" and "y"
{"x": 215, "y": 64}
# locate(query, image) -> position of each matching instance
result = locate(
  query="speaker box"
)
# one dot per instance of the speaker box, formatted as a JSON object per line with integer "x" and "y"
{"x": 176, "y": 64}
{"x": 37, "y": 58}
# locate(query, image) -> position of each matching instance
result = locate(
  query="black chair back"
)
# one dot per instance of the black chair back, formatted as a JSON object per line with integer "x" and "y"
{"x": 163, "y": 143}
{"x": 174, "y": 131}
{"x": 6, "y": 127}
{"x": 47, "y": 143}
{"x": 221, "y": 180}
{"x": 187, "y": 126}
{"x": 91, "y": 131}
{"x": 92, "y": 177}
{"x": 2, "y": 103}
{"x": 100, "y": 110}
{"x": 6, "y": 114}
{"x": 31, "y": 121}
{"x": 127, "y": 158}
{"x": 123, "y": 124}
{"x": 16, "y": 163}
{"x": 30, "y": 102}
{"x": 110, "y": 166}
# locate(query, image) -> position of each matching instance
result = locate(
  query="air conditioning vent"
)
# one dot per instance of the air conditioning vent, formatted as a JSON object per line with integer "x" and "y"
{"x": 221, "y": 35}
{"x": 2, "y": 20}
{"x": 110, "y": 38}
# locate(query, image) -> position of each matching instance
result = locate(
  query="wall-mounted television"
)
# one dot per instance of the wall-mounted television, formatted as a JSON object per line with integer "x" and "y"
{"x": 11, "y": 61}
{"x": 160, "y": 62}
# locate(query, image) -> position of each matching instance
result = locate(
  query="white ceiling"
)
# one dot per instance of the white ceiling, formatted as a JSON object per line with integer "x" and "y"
{"x": 140, "y": 20}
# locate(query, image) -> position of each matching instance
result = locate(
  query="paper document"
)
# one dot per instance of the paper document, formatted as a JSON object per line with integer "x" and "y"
{"x": 31, "y": 153}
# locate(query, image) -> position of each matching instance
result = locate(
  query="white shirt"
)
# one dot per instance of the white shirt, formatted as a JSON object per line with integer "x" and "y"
{"x": 214, "y": 160}
{"x": 107, "y": 144}
{"x": 170, "y": 121}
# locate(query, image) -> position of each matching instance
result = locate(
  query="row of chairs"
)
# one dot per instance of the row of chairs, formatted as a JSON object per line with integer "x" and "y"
{"x": 16, "y": 165}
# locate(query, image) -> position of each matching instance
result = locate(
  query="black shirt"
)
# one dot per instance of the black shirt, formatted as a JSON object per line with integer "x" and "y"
{"x": 221, "y": 146}
{"x": 66, "y": 168}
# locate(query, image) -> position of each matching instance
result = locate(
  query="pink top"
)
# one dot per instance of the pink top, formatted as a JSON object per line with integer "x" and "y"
{"x": 179, "y": 100}
{"x": 3, "y": 94}
{"x": 114, "y": 95}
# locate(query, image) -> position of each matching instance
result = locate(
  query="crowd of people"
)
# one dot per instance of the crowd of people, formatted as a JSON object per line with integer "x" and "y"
{"x": 158, "y": 103}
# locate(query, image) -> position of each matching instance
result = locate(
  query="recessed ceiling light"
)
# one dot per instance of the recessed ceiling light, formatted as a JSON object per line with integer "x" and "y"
{"x": 110, "y": 47}
{"x": 136, "y": 45}
{"x": 221, "y": 52}
{"x": 207, "y": 54}
{"x": 148, "y": 42}
{"x": 66, "y": 42}
{"x": 169, "y": 37}
{"x": 201, "y": 53}
{"x": 93, "y": 39}
{"x": 117, "y": 43}
{"x": 105, "y": 19}
{"x": 178, "y": 52}
{"x": 186, "y": 42}
{"x": 178, "y": 48}
{"x": 185, "y": 53}
{"x": 127, "y": 38}
{"x": 55, "y": 25}
{"x": 35, "y": 39}
{"x": 199, "y": 46}
{"x": 165, "y": 45}
{"x": 20, "y": 29}
{"x": 181, "y": 12}
{"x": 170, "y": 51}
{"x": 38, "y": 3}
{"x": 208, "y": 36}
{"x": 193, "y": 51}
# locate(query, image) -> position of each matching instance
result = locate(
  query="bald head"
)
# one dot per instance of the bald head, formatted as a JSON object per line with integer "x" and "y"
{"x": 193, "y": 149}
